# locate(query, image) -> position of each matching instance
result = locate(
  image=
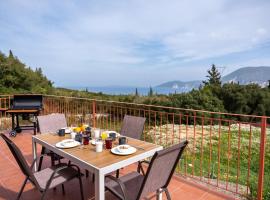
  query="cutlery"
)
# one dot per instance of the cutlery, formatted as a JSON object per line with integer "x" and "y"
{"x": 140, "y": 148}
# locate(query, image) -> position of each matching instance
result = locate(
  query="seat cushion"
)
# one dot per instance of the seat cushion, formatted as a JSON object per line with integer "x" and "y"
{"x": 132, "y": 182}
{"x": 60, "y": 177}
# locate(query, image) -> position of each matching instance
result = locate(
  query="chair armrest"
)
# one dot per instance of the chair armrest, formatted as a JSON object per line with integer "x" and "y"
{"x": 145, "y": 161}
{"x": 53, "y": 174}
{"x": 120, "y": 183}
{"x": 140, "y": 168}
{"x": 77, "y": 168}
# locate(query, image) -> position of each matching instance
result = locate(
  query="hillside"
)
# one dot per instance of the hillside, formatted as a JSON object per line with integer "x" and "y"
{"x": 15, "y": 76}
{"x": 243, "y": 76}
{"x": 181, "y": 86}
{"x": 247, "y": 75}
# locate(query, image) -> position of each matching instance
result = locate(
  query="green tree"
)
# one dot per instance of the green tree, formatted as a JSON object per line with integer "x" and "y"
{"x": 10, "y": 54}
{"x": 151, "y": 92}
{"x": 136, "y": 92}
{"x": 214, "y": 77}
{"x": 16, "y": 77}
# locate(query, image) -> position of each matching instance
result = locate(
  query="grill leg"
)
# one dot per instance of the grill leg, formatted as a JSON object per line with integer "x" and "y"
{"x": 17, "y": 121}
{"x": 13, "y": 121}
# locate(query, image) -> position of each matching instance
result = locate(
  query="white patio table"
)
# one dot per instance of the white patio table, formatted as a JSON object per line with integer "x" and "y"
{"x": 98, "y": 163}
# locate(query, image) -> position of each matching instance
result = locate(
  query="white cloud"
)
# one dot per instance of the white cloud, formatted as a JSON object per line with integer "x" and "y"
{"x": 94, "y": 35}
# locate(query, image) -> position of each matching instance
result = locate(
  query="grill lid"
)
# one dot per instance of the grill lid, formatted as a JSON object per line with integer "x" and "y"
{"x": 27, "y": 102}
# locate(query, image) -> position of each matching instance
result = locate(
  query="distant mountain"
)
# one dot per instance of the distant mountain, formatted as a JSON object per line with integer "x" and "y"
{"x": 243, "y": 76}
{"x": 180, "y": 86}
{"x": 247, "y": 75}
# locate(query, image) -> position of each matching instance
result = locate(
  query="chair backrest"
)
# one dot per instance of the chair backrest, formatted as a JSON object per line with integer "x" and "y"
{"x": 51, "y": 123}
{"x": 16, "y": 152}
{"x": 161, "y": 169}
{"x": 132, "y": 126}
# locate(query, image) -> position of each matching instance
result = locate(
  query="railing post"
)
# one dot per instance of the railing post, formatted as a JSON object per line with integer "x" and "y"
{"x": 94, "y": 113}
{"x": 262, "y": 157}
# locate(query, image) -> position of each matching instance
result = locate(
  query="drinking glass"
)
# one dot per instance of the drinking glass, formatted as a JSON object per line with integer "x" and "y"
{"x": 96, "y": 133}
{"x": 108, "y": 143}
{"x": 85, "y": 139}
{"x": 99, "y": 146}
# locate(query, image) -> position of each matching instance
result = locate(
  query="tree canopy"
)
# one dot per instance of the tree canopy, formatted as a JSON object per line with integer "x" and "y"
{"x": 214, "y": 77}
{"x": 17, "y": 77}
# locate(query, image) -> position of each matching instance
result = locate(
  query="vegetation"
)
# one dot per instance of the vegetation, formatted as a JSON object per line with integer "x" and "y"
{"x": 16, "y": 77}
{"x": 214, "y": 77}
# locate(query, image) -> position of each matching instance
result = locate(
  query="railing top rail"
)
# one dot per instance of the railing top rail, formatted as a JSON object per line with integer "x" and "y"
{"x": 164, "y": 107}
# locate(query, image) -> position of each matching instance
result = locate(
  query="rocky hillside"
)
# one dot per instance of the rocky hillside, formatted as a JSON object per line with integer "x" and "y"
{"x": 247, "y": 75}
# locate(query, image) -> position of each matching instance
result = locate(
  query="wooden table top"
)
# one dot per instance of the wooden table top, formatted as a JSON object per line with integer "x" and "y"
{"x": 87, "y": 153}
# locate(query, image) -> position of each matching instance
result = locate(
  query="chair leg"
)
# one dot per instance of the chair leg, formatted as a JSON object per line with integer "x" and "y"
{"x": 93, "y": 177}
{"x": 21, "y": 190}
{"x": 43, "y": 194}
{"x": 40, "y": 163}
{"x": 167, "y": 193}
{"x": 81, "y": 187}
{"x": 63, "y": 189}
{"x": 117, "y": 173}
{"x": 41, "y": 159}
{"x": 139, "y": 167}
{"x": 52, "y": 160}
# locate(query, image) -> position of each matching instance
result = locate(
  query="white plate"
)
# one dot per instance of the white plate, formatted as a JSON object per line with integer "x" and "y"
{"x": 128, "y": 151}
{"x": 68, "y": 143}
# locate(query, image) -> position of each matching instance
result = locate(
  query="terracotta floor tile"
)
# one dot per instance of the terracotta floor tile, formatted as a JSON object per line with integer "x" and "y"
{"x": 11, "y": 179}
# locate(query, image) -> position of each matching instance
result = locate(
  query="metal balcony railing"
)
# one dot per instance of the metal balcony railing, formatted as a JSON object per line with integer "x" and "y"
{"x": 226, "y": 151}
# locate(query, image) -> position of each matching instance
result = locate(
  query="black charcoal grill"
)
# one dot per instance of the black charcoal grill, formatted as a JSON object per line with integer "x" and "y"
{"x": 25, "y": 105}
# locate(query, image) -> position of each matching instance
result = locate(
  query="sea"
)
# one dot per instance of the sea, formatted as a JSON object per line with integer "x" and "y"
{"x": 121, "y": 90}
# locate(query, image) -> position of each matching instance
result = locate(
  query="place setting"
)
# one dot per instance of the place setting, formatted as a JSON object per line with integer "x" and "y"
{"x": 101, "y": 139}
{"x": 67, "y": 143}
{"x": 77, "y": 136}
{"x": 112, "y": 141}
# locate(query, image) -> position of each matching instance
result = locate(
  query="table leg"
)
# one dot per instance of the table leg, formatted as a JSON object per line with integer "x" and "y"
{"x": 99, "y": 186}
{"x": 34, "y": 149}
{"x": 159, "y": 197}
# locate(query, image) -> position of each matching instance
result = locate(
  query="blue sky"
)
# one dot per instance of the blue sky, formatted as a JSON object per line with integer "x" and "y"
{"x": 135, "y": 42}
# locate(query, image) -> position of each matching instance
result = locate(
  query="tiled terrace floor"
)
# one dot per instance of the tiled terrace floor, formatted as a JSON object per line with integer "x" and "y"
{"x": 11, "y": 180}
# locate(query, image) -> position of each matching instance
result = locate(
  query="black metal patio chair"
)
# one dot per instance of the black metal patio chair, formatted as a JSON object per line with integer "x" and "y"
{"x": 132, "y": 126}
{"x": 50, "y": 124}
{"x": 47, "y": 178}
{"x": 135, "y": 186}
